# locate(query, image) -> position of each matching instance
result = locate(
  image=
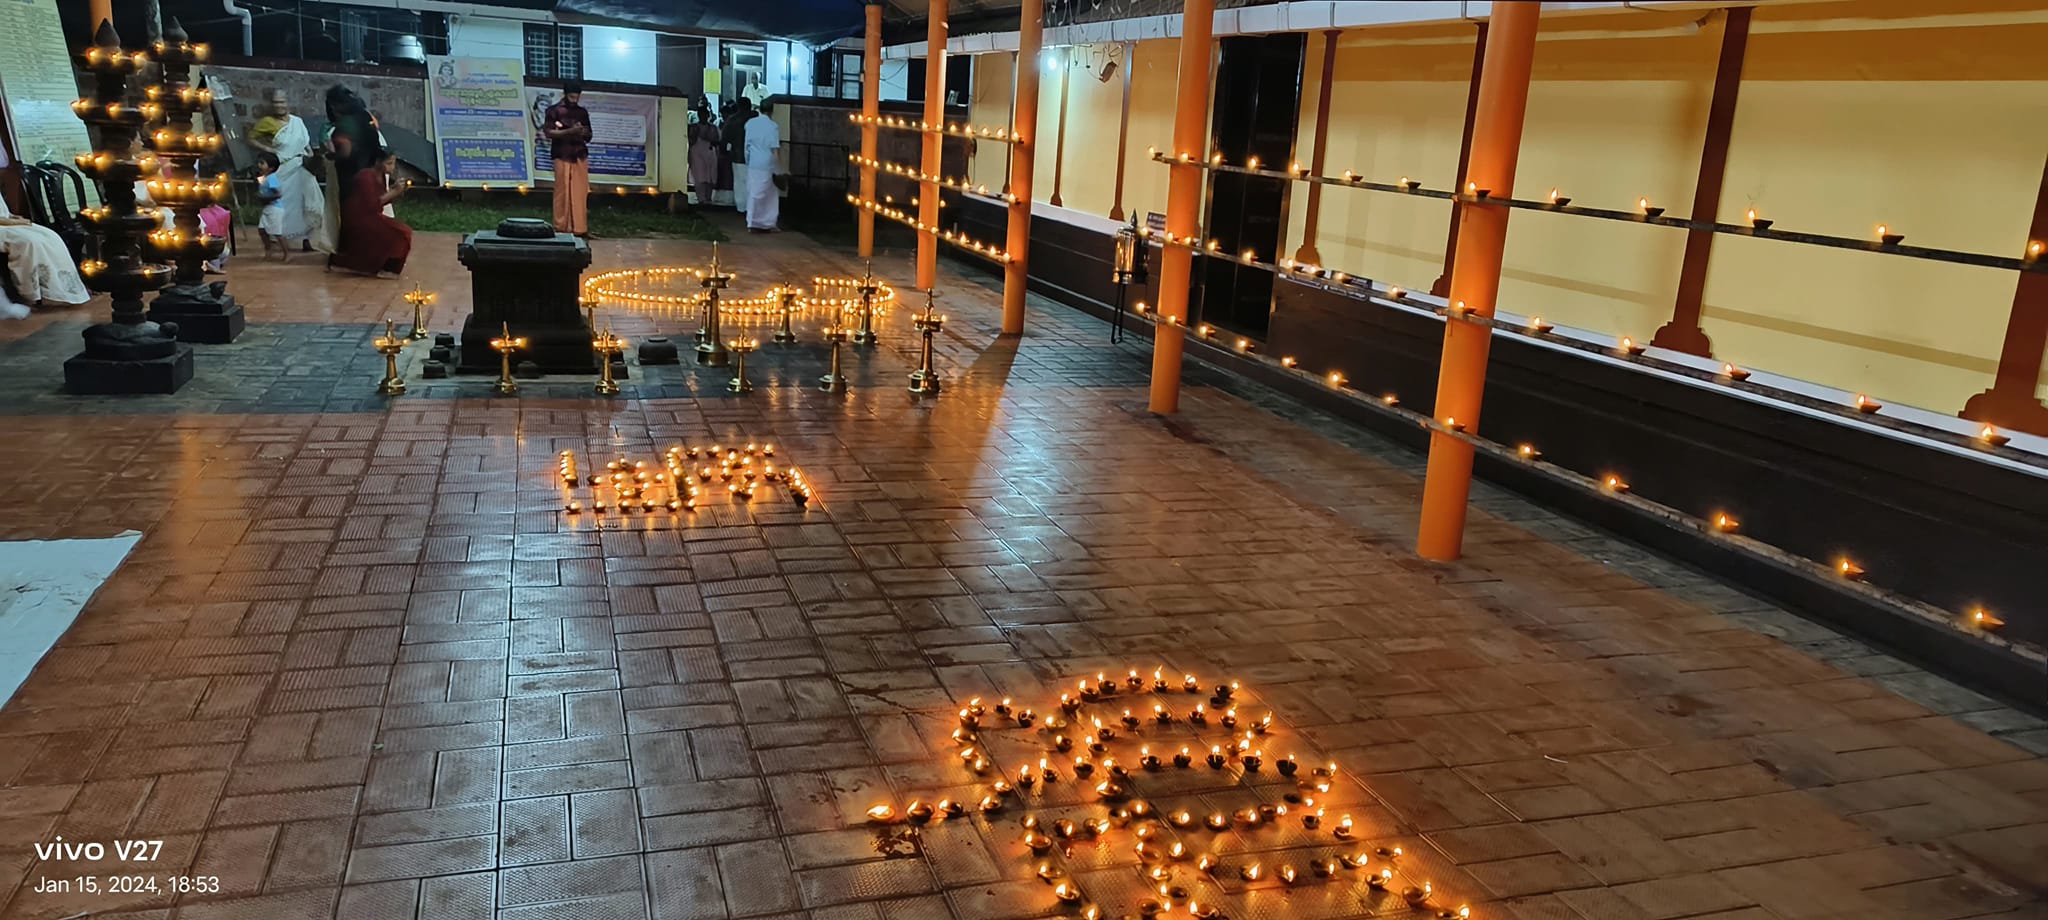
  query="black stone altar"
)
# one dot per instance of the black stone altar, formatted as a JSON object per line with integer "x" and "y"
{"x": 526, "y": 277}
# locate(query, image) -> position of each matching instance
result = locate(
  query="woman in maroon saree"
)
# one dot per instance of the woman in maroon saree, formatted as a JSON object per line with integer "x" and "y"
{"x": 370, "y": 242}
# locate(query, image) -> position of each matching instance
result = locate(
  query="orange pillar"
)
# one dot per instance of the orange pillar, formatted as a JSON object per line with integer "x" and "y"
{"x": 934, "y": 142}
{"x": 1024, "y": 128}
{"x": 1183, "y": 200}
{"x": 1475, "y": 278}
{"x": 98, "y": 11}
{"x": 870, "y": 109}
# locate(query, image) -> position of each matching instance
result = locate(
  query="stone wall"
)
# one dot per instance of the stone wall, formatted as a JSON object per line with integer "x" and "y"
{"x": 399, "y": 102}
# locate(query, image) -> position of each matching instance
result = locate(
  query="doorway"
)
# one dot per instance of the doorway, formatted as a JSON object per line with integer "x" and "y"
{"x": 1256, "y": 109}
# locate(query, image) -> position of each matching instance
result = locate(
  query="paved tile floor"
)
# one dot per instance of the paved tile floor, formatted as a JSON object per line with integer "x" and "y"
{"x": 363, "y": 665}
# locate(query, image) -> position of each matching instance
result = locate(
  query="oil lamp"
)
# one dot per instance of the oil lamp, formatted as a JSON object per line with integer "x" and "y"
{"x": 1216, "y": 758}
{"x": 1249, "y": 872}
{"x": 1229, "y": 718}
{"x": 1147, "y": 759}
{"x": 1082, "y": 768}
{"x": 881, "y": 814}
{"x": 1206, "y": 864}
{"x": 1251, "y": 761}
{"x": 1312, "y": 821}
{"x": 1286, "y": 874}
{"x": 1066, "y": 892}
{"x": 952, "y": 808}
{"x": 1133, "y": 681}
{"x": 1026, "y": 717}
{"x": 1190, "y": 684}
{"x": 1343, "y": 830}
{"x": 1199, "y": 715}
{"x": 1417, "y": 895}
{"x": 1129, "y": 720}
{"x": 1183, "y": 759}
{"x": 389, "y": 345}
{"x": 1160, "y": 713}
{"x": 1323, "y": 868}
{"x": 1286, "y": 765}
{"x": 918, "y": 812}
{"x": 1182, "y": 818}
{"x": 1218, "y": 821}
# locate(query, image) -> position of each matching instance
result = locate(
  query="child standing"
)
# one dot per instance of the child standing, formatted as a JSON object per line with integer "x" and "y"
{"x": 269, "y": 192}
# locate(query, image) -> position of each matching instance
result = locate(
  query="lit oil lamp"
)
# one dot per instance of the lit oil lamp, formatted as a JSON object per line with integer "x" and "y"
{"x": 1001, "y": 787}
{"x": 1069, "y": 703}
{"x": 1286, "y": 765}
{"x": 1323, "y": 868}
{"x": 1330, "y": 770}
{"x": 1026, "y": 717}
{"x": 1252, "y": 760}
{"x": 1024, "y": 777}
{"x": 1381, "y": 879}
{"x": 1082, "y": 768}
{"x": 1177, "y": 851}
{"x": 1130, "y": 721}
{"x": 1134, "y": 681}
{"x": 1147, "y": 759}
{"x": 1216, "y": 758}
{"x": 1248, "y": 816}
{"x": 1218, "y": 821}
{"x": 1182, "y": 818}
{"x": 918, "y": 812}
{"x": 1038, "y": 843}
{"x": 1312, "y": 821}
{"x": 991, "y": 804}
{"x": 1355, "y": 860}
{"x": 1249, "y": 872}
{"x": 1066, "y": 892}
{"x": 1115, "y": 769}
{"x": 1286, "y": 874}
{"x": 1417, "y": 895}
{"x": 881, "y": 814}
{"x": 1064, "y": 829}
{"x": 952, "y": 808}
{"x": 1111, "y": 790}
{"x": 1159, "y": 680}
{"x": 1062, "y": 743}
{"x": 1049, "y": 872}
{"x": 1229, "y": 718}
{"x": 1183, "y": 759}
{"x": 1190, "y": 684}
{"x": 1265, "y": 722}
{"x": 1003, "y": 708}
{"x": 1343, "y": 829}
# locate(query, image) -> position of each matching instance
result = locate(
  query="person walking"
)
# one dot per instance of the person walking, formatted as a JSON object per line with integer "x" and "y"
{"x": 300, "y": 211}
{"x": 568, "y": 126}
{"x": 764, "y": 167}
{"x": 703, "y": 153}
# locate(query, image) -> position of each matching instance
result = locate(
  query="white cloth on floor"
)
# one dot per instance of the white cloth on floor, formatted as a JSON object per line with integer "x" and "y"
{"x": 764, "y": 201}
{"x": 300, "y": 212}
{"x": 39, "y": 263}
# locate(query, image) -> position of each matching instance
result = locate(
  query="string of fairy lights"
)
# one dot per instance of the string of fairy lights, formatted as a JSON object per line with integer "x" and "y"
{"x": 1722, "y": 525}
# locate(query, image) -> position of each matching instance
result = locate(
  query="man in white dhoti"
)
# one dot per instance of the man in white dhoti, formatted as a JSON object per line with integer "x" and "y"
{"x": 301, "y": 211}
{"x": 764, "y": 164}
{"x": 38, "y": 264}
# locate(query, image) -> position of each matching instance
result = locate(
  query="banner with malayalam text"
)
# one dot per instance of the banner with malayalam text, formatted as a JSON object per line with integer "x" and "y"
{"x": 478, "y": 110}
{"x": 624, "y": 130}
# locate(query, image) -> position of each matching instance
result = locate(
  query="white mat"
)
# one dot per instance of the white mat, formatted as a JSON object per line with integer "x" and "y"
{"x": 43, "y": 586}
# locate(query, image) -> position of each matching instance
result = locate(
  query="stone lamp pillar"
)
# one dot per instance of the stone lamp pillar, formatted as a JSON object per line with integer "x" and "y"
{"x": 202, "y": 310}
{"x": 129, "y": 354}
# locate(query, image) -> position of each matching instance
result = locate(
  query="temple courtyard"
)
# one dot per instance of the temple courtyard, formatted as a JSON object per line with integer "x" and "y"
{"x": 365, "y": 663}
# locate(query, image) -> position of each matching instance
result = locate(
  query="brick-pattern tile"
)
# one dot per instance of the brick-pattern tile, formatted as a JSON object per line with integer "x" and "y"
{"x": 361, "y": 666}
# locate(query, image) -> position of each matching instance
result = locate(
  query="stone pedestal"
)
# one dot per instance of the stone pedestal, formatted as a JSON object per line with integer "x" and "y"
{"x": 205, "y": 313}
{"x": 137, "y": 358}
{"x": 526, "y": 277}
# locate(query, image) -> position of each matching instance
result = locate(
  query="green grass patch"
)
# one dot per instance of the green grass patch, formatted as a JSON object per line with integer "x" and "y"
{"x": 611, "y": 216}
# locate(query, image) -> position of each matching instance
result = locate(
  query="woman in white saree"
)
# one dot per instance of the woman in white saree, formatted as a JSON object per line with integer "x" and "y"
{"x": 39, "y": 266}
{"x": 301, "y": 212}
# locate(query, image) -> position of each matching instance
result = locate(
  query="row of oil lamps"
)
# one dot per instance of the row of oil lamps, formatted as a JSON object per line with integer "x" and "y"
{"x": 1977, "y": 617}
{"x": 918, "y": 175}
{"x": 1041, "y": 837}
{"x": 634, "y": 486}
{"x": 961, "y": 240}
{"x": 955, "y": 128}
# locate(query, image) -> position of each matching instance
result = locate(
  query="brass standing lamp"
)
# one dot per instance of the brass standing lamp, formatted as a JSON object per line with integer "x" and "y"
{"x": 865, "y": 335}
{"x": 740, "y": 348}
{"x": 506, "y": 344}
{"x": 419, "y": 297}
{"x": 925, "y": 380}
{"x": 607, "y": 346}
{"x": 389, "y": 345}
{"x": 834, "y": 381}
{"x": 789, "y": 293}
{"x": 711, "y": 346}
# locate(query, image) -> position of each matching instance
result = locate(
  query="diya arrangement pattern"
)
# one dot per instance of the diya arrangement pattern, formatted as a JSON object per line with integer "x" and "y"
{"x": 1295, "y": 829}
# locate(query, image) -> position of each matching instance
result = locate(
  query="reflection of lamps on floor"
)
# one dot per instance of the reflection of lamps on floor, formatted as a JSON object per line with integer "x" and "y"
{"x": 1127, "y": 268}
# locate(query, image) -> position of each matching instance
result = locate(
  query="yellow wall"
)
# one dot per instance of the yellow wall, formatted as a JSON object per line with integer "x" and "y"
{"x": 1846, "y": 119}
{"x": 1094, "y": 110}
{"x": 990, "y": 107}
